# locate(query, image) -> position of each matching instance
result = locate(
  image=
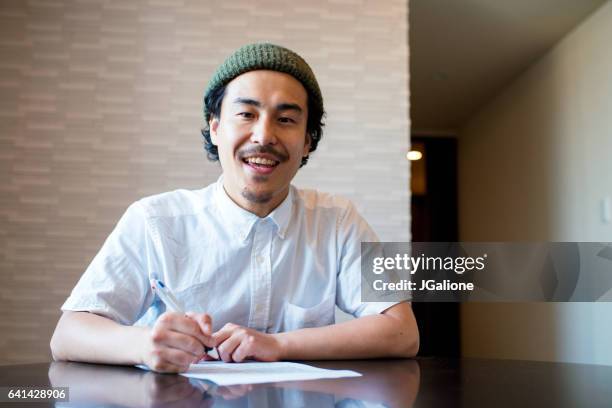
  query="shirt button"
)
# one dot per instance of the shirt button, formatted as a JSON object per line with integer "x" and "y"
{"x": 259, "y": 259}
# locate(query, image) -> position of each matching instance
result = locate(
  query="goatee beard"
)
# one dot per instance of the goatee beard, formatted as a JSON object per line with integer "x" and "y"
{"x": 254, "y": 198}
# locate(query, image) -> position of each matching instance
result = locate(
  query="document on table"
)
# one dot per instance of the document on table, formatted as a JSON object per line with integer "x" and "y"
{"x": 222, "y": 373}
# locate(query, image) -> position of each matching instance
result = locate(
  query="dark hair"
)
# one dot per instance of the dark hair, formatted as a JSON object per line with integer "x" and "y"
{"x": 212, "y": 102}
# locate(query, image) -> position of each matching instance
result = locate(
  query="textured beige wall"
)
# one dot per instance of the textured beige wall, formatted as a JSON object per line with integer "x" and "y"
{"x": 100, "y": 104}
{"x": 534, "y": 165}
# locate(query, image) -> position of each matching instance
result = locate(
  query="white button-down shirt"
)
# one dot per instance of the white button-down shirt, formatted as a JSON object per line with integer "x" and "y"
{"x": 282, "y": 272}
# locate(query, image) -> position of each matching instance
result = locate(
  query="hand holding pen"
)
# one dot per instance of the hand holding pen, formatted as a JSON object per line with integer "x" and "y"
{"x": 177, "y": 339}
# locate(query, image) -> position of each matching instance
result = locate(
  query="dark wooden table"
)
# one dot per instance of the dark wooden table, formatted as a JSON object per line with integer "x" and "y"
{"x": 425, "y": 382}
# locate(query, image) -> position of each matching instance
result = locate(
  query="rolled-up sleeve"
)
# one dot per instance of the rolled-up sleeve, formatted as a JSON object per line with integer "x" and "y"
{"x": 116, "y": 283}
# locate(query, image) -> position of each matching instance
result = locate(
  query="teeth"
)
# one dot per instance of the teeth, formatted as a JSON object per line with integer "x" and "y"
{"x": 261, "y": 160}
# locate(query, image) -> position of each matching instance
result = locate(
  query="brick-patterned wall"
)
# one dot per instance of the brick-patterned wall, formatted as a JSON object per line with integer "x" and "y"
{"x": 100, "y": 104}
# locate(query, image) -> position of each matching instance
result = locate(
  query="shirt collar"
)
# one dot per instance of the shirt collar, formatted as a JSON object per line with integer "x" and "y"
{"x": 282, "y": 214}
{"x": 241, "y": 221}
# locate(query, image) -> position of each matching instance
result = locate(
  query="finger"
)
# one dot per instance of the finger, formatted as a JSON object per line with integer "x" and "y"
{"x": 177, "y": 322}
{"x": 223, "y": 334}
{"x": 228, "y": 346}
{"x": 160, "y": 364}
{"x": 208, "y": 357}
{"x": 166, "y": 368}
{"x": 176, "y": 340}
{"x": 203, "y": 320}
{"x": 244, "y": 349}
{"x": 180, "y": 323}
{"x": 177, "y": 358}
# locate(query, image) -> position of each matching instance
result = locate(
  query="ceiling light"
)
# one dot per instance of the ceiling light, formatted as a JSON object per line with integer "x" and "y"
{"x": 414, "y": 155}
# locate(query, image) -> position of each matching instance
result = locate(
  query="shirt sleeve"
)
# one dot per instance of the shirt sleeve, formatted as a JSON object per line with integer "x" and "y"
{"x": 352, "y": 230}
{"x": 116, "y": 283}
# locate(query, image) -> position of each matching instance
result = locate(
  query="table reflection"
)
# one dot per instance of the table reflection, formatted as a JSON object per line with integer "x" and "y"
{"x": 383, "y": 383}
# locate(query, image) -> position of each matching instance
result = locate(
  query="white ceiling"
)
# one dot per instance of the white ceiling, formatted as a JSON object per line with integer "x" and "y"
{"x": 462, "y": 52}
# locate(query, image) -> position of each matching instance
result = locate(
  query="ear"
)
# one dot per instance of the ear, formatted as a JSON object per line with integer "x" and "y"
{"x": 213, "y": 124}
{"x": 306, "y": 151}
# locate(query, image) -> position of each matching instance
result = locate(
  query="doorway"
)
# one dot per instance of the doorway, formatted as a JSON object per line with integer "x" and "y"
{"x": 434, "y": 219}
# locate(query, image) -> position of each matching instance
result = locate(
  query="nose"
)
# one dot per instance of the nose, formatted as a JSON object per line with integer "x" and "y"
{"x": 263, "y": 131}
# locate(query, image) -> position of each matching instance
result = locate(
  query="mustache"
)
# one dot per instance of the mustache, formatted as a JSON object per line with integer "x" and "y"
{"x": 281, "y": 157}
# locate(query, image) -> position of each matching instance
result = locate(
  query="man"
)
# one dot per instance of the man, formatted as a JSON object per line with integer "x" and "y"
{"x": 258, "y": 264}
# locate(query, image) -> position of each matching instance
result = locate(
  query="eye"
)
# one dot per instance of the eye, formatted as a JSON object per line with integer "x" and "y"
{"x": 284, "y": 119}
{"x": 246, "y": 115}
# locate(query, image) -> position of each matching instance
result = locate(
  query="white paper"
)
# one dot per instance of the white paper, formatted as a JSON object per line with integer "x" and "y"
{"x": 222, "y": 373}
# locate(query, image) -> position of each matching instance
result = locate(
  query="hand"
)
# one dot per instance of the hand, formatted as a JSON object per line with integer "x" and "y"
{"x": 177, "y": 340}
{"x": 236, "y": 343}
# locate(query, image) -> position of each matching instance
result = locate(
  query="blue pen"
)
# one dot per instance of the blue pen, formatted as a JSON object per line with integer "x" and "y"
{"x": 171, "y": 302}
{"x": 166, "y": 295}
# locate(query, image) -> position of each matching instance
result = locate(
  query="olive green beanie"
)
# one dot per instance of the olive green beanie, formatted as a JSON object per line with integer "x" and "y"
{"x": 265, "y": 56}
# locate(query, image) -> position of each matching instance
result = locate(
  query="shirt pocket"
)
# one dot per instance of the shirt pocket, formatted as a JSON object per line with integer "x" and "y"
{"x": 298, "y": 317}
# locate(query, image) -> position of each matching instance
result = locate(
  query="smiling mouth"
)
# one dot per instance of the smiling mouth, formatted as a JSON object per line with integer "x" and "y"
{"x": 260, "y": 162}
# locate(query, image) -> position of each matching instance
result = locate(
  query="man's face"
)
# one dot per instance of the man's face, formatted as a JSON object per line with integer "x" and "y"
{"x": 261, "y": 137}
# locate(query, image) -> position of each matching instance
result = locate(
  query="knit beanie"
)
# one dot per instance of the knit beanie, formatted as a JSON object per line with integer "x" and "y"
{"x": 265, "y": 56}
